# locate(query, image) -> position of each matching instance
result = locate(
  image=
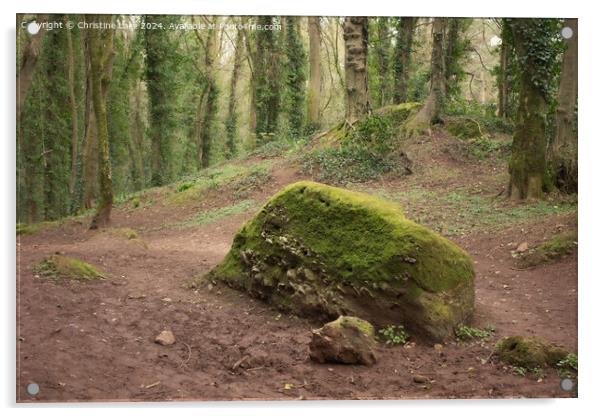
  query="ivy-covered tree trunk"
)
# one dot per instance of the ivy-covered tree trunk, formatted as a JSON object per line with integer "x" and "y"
{"x": 101, "y": 41}
{"x": 402, "y": 58}
{"x": 29, "y": 58}
{"x": 563, "y": 148}
{"x": 266, "y": 80}
{"x": 295, "y": 77}
{"x": 382, "y": 55}
{"x": 502, "y": 78}
{"x": 232, "y": 117}
{"x": 162, "y": 64}
{"x": 209, "y": 105}
{"x": 315, "y": 72}
{"x": 527, "y": 164}
{"x": 74, "y": 112}
{"x": 433, "y": 107}
{"x": 89, "y": 190}
{"x": 456, "y": 47}
{"x": 355, "y": 34}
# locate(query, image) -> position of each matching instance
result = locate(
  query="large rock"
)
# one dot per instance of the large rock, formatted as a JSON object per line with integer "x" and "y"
{"x": 348, "y": 340}
{"x": 321, "y": 252}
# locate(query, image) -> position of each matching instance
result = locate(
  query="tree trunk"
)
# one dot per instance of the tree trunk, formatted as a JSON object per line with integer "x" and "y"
{"x": 267, "y": 81}
{"x": 503, "y": 84}
{"x": 356, "y": 71}
{"x": 528, "y": 159}
{"x": 232, "y": 117}
{"x": 209, "y": 100}
{"x": 315, "y": 72}
{"x": 402, "y": 60}
{"x": 89, "y": 159}
{"x": 74, "y": 115}
{"x": 562, "y": 152}
{"x": 451, "y": 54}
{"x": 28, "y": 64}
{"x": 382, "y": 52}
{"x": 434, "y": 105}
{"x": 100, "y": 62}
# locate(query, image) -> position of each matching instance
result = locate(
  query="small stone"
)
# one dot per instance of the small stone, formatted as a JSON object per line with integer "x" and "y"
{"x": 438, "y": 347}
{"x": 420, "y": 379}
{"x": 136, "y": 296}
{"x": 522, "y": 247}
{"x": 166, "y": 299}
{"x": 165, "y": 338}
{"x": 348, "y": 340}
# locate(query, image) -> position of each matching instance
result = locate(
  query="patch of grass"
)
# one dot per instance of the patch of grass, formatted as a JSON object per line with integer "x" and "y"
{"x": 28, "y": 229}
{"x": 256, "y": 177}
{"x": 271, "y": 149}
{"x": 216, "y": 214}
{"x": 467, "y": 333}
{"x": 394, "y": 335}
{"x": 63, "y": 267}
{"x": 555, "y": 248}
{"x": 348, "y": 165}
{"x": 460, "y": 212}
{"x": 213, "y": 179}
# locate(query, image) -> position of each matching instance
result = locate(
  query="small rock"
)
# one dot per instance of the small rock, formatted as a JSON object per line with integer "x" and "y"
{"x": 136, "y": 296}
{"x": 166, "y": 299}
{"x": 165, "y": 338}
{"x": 348, "y": 340}
{"x": 522, "y": 247}
{"x": 420, "y": 379}
{"x": 438, "y": 347}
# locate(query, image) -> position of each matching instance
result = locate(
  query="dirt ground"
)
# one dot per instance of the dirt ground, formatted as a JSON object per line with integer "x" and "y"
{"x": 94, "y": 341}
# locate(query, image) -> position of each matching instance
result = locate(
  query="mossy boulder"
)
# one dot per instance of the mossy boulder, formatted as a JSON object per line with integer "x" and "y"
{"x": 321, "y": 252}
{"x": 348, "y": 340}
{"x": 555, "y": 248}
{"x": 464, "y": 127}
{"x": 63, "y": 267}
{"x": 529, "y": 352}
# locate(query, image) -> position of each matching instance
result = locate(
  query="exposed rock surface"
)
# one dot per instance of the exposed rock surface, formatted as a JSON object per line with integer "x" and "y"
{"x": 165, "y": 338}
{"x": 321, "y": 252}
{"x": 348, "y": 340}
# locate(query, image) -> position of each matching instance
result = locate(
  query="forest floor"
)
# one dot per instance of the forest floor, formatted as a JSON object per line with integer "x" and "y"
{"x": 94, "y": 341}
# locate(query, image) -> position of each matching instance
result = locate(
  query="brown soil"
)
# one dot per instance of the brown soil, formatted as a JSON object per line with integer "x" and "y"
{"x": 94, "y": 341}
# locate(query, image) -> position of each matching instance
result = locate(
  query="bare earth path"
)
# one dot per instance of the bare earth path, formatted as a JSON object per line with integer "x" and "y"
{"x": 94, "y": 341}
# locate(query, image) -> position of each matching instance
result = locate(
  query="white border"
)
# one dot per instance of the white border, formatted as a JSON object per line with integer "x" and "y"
{"x": 590, "y": 125}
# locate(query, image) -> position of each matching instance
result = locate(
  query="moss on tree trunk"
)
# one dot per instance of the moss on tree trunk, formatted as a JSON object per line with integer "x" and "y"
{"x": 100, "y": 54}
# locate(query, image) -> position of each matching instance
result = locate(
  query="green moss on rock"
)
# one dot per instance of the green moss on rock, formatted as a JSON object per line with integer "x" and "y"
{"x": 321, "y": 252}
{"x": 464, "y": 127}
{"x": 529, "y": 352}
{"x": 57, "y": 266}
{"x": 555, "y": 248}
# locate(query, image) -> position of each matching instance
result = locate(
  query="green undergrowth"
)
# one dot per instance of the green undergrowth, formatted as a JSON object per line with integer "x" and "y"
{"x": 62, "y": 267}
{"x": 468, "y": 333}
{"x": 216, "y": 214}
{"x": 363, "y": 151}
{"x": 459, "y": 212}
{"x": 394, "y": 335}
{"x": 28, "y": 229}
{"x": 239, "y": 179}
{"x": 553, "y": 249}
